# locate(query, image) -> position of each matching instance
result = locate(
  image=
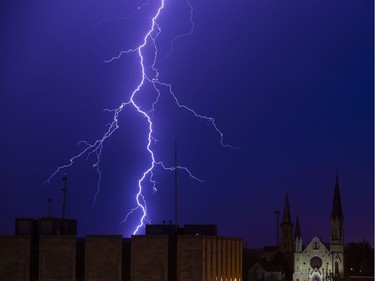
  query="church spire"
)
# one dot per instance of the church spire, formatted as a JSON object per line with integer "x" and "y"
{"x": 286, "y": 213}
{"x": 297, "y": 231}
{"x": 297, "y": 242}
{"x": 286, "y": 243}
{"x": 337, "y": 232}
{"x": 336, "y": 208}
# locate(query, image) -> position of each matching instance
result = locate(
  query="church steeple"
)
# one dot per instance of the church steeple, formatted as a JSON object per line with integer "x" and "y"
{"x": 337, "y": 232}
{"x": 286, "y": 243}
{"x": 286, "y": 213}
{"x": 297, "y": 238}
{"x": 297, "y": 230}
{"x": 336, "y": 207}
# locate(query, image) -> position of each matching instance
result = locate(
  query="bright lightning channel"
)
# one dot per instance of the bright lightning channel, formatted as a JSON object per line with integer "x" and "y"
{"x": 96, "y": 147}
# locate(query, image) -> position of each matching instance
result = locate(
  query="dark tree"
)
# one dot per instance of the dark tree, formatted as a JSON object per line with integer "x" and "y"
{"x": 249, "y": 258}
{"x": 285, "y": 260}
{"x": 359, "y": 258}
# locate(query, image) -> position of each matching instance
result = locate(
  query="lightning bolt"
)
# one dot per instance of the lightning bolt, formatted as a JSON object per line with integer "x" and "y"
{"x": 150, "y": 74}
{"x": 192, "y": 25}
{"x": 139, "y": 8}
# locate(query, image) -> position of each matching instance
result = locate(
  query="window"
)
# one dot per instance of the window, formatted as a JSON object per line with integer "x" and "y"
{"x": 316, "y": 262}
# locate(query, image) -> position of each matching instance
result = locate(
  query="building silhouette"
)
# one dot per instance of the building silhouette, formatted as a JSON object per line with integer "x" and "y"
{"x": 314, "y": 262}
{"x": 48, "y": 249}
{"x": 265, "y": 271}
{"x": 286, "y": 243}
{"x": 318, "y": 262}
{"x": 194, "y": 252}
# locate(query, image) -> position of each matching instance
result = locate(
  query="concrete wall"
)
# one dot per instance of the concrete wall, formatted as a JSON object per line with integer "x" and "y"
{"x": 206, "y": 258}
{"x": 103, "y": 258}
{"x": 225, "y": 256}
{"x": 14, "y": 258}
{"x": 153, "y": 257}
{"x": 190, "y": 258}
{"x": 149, "y": 258}
{"x": 57, "y": 258}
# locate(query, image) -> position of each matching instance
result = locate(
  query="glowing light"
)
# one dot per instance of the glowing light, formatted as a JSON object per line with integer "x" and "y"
{"x": 151, "y": 77}
{"x": 185, "y": 34}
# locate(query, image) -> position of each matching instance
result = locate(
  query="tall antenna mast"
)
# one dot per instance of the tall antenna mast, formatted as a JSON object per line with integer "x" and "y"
{"x": 175, "y": 185}
{"x": 65, "y": 199}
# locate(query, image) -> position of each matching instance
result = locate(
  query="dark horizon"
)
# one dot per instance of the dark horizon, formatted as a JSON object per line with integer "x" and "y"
{"x": 170, "y": 222}
{"x": 289, "y": 84}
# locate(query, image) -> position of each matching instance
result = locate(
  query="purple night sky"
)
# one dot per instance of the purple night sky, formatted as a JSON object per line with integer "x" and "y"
{"x": 291, "y": 83}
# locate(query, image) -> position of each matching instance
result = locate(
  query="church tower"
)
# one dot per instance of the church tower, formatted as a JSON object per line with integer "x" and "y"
{"x": 337, "y": 233}
{"x": 297, "y": 238}
{"x": 299, "y": 263}
{"x": 286, "y": 243}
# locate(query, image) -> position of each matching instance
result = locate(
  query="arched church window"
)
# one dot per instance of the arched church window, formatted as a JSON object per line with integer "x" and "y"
{"x": 336, "y": 268}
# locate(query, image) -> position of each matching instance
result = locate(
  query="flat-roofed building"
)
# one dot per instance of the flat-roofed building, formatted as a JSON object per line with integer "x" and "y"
{"x": 14, "y": 258}
{"x": 103, "y": 258}
{"x": 40, "y": 251}
{"x": 57, "y": 258}
{"x": 191, "y": 253}
{"x": 150, "y": 258}
{"x": 207, "y": 258}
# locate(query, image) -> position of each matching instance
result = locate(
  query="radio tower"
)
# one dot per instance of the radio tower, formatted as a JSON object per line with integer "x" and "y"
{"x": 65, "y": 199}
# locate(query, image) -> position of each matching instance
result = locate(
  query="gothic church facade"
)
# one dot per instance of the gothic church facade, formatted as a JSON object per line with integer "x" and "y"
{"x": 316, "y": 261}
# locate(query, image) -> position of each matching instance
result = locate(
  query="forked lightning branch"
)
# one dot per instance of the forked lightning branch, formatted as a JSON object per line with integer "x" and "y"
{"x": 149, "y": 75}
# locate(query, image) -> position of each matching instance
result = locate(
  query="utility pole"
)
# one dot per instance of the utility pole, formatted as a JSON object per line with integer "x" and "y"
{"x": 175, "y": 185}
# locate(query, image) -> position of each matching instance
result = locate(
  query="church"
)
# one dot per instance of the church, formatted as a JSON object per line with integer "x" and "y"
{"x": 316, "y": 261}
